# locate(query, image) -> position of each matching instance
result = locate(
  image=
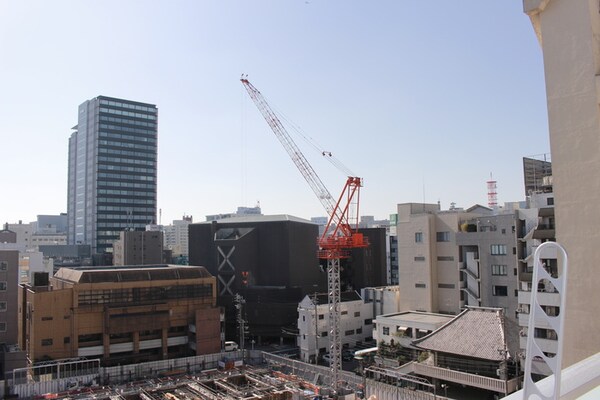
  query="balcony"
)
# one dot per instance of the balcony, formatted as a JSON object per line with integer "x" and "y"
{"x": 539, "y": 322}
{"x": 545, "y": 345}
{"x": 544, "y": 231}
{"x": 463, "y": 378}
{"x": 544, "y": 298}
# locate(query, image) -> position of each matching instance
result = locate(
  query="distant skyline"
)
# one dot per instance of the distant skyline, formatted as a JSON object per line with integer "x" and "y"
{"x": 422, "y": 99}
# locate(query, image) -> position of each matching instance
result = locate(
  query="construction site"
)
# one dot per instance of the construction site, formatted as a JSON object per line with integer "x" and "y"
{"x": 259, "y": 376}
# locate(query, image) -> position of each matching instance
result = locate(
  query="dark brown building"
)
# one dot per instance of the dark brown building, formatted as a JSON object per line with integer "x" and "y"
{"x": 271, "y": 260}
{"x": 121, "y": 314}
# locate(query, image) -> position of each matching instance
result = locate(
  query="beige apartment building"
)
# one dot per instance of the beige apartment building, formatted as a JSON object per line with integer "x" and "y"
{"x": 569, "y": 35}
{"x": 428, "y": 256}
{"x": 121, "y": 314}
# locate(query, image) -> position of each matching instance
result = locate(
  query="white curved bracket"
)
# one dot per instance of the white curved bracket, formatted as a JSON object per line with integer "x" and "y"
{"x": 536, "y": 313}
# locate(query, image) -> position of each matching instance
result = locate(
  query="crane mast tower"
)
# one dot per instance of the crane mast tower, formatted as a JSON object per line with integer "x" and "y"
{"x": 341, "y": 232}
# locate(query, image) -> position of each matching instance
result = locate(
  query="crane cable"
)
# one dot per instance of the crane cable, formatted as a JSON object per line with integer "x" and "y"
{"x": 311, "y": 142}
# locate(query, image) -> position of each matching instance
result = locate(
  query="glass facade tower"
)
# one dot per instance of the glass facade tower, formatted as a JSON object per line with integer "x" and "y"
{"x": 112, "y": 171}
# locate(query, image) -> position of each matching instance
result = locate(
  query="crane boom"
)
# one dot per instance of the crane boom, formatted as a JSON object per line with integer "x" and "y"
{"x": 292, "y": 149}
{"x": 341, "y": 234}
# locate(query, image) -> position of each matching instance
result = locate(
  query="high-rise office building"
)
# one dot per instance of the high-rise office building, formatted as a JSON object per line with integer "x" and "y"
{"x": 112, "y": 171}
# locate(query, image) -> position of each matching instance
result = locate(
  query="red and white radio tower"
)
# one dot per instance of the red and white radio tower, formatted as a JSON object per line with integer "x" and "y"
{"x": 492, "y": 194}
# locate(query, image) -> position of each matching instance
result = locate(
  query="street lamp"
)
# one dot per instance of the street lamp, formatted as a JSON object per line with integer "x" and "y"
{"x": 445, "y": 387}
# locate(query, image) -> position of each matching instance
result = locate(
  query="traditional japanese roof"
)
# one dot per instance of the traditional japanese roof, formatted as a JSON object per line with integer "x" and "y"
{"x": 476, "y": 332}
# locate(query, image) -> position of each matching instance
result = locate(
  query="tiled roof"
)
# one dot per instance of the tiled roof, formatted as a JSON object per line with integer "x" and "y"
{"x": 476, "y": 332}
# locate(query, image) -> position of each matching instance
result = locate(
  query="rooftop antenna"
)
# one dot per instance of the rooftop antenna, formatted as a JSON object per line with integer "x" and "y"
{"x": 492, "y": 193}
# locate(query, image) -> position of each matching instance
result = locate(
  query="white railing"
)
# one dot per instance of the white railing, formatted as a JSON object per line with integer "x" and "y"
{"x": 482, "y": 382}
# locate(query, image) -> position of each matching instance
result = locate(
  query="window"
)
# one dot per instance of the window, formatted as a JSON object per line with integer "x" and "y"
{"x": 445, "y": 258}
{"x": 303, "y": 318}
{"x": 3, "y": 265}
{"x": 418, "y": 237}
{"x": 344, "y": 313}
{"x": 358, "y": 331}
{"x": 46, "y": 342}
{"x": 498, "y": 250}
{"x": 499, "y": 270}
{"x": 499, "y": 290}
{"x": 446, "y": 285}
{"x": 516, "y": 292}
{"x": 47, "y": 318}
{"x": 503, "y": 231}
{"x": 419, "y": 258}
{"x": 357, "y": 313}
{"x": 368, "y": 321}
{"x": 442, "y": 236}
{"x": 324, "y": 334}
{"x": 67, "y": 340}
{"x": 3, "y": 286}
{"x": 2, "y": 326}
{"x": 550, "y": 201}
{"x": 348, "y": 333}
{"x": 321, "y": 316}
{"x": 2, "y": 306}
{"x": 420, "y": 285}
{"x": 386, "y": 330}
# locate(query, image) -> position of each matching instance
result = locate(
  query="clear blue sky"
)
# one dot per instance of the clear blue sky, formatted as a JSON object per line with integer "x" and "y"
{"x": 422, "y": 99}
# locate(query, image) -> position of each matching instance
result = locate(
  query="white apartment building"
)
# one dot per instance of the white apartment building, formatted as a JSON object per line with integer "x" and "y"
{"x": 537, "y": 226}
{"x": 356, "y": 324}
{"x": 176, "y": 236}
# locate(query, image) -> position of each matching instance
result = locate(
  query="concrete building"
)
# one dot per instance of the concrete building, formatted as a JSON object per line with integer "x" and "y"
{"x": 568, "y": 33}
{"x": 313, "y": 324}
{"x": 382, "y": 300}
{"x": 51, "y": 223}
{"x": 488, "y": 264}
{"x": 392, "y": 270}
{"x": 76, "y": 255}
{"x": 112, "y": 171}
{"x": 428, "y": 256}
{"x": 47, "y": 230}
{"x": 176, "y": 236}
{"x": 11, "y": 356}
{"x": 9, "y": 285}
{"x": 7, "y": 236}
{"x": 121, "y": 314}
{"x": 138, "y": 248}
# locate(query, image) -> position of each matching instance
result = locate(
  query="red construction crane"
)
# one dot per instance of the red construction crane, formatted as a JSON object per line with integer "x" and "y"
{"x": 341, "y": 232}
